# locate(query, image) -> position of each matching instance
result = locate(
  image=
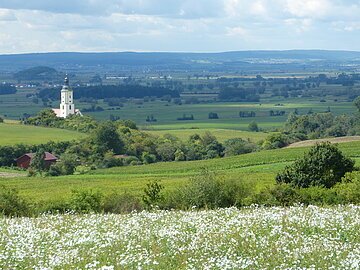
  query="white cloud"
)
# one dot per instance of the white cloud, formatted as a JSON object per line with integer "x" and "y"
{"x": 236, "y": 31}
{"x": 308, "y": 8}
{"x": 7, "y": 15}
{"x": 179, "y": 25}
{"x": 300, "y": 25}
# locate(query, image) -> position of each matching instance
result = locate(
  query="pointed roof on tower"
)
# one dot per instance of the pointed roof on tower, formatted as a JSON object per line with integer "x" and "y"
{"x": 66, "y": 85}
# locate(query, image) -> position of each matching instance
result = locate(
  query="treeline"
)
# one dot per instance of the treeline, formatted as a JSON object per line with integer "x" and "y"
{"x": 240, "y": 94}
{"x": 112, "y": 91}
{"x": 7, "y": 89}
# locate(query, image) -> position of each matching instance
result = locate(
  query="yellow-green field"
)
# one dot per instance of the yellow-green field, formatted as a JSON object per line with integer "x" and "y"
{"x": 257, "y": 168}
{"x": 221, "y": 134}
{"x": 13, "y": 133}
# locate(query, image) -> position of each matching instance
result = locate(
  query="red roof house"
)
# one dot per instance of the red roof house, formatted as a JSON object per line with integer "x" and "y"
{"x": 25, "y": 160}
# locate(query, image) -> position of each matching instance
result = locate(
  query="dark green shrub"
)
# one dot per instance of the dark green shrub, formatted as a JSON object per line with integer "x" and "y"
{"x": 86, "y": 201}
{"x": 285, "y": 195}
{"x": 54, "y": 207}
{"x": 153, "y": 196}
{"x": 11, "y": 204}
{"x": 207, "y": 190}
{"x": 324, "y": 165}
{"x": 235, "y": 192}
{"x": 349, "y": 188}
{"x": 319, "y": 196}
{"x": 121, "y": 203}
{"x": 253, "y": 126}
{"x": 238, "y": 146}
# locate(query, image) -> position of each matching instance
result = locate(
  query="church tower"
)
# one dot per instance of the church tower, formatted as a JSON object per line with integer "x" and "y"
{"x": 67, "y": 106}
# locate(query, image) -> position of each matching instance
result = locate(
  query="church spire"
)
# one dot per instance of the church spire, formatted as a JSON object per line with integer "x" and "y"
{"x": 66, "y": 80}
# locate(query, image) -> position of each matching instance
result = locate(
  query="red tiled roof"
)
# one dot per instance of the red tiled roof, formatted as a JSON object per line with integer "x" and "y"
{"x": 48, "y": 156}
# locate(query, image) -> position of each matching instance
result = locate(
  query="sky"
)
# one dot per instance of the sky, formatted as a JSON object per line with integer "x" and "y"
{"x": 178, "y": 25}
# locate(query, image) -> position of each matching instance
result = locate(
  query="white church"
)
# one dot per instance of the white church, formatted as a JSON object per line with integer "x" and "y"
{"x": 67, "y": 106}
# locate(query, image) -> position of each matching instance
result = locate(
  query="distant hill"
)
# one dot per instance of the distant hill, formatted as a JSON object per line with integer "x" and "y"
{"x": 239, "y": 60}
{"x": 37, "y": 73}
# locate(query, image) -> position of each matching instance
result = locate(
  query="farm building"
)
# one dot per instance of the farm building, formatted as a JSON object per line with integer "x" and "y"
{"x": 25, "y": 160}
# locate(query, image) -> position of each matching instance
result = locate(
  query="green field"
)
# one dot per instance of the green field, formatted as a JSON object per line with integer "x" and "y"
{"x": 12, "y": 133}
{"x": 167, "y": 113}
{"x": 257, "y": 168}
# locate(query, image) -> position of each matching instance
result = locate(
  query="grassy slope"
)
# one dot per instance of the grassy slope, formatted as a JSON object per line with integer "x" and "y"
{"x": 11, "y": 133}
{"x": 258, "y": 168}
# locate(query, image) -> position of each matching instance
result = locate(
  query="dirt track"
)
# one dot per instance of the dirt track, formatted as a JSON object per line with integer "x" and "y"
{"x": 332, "y": 140}
{"x": 9, "y": 175}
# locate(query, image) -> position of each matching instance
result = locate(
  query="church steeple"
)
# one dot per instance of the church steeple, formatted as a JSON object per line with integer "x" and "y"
{"x": 66, "y": 81}
{"x": 67, "y": 106}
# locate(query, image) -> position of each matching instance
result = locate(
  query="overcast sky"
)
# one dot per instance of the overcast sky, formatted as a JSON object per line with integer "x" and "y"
{"x": 178, "y": 25}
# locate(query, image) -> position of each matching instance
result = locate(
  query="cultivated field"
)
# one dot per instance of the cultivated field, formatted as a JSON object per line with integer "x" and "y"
{"x": 250, "y": 238}
{"x": 259, "y": 169}
{"x": 12, "y": 133}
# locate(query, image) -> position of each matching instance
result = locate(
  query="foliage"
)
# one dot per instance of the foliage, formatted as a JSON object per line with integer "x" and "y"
{"x": 38, "y": 161}
{"x": 11, "y": 204}
{"x": 239, "y": 94}
{"x": 7, "y": 89}
{"x": 112, "y": 91}
{"x": 48, "y": 118}
{"x": 253, "y": 126}
{"x": 238, "y": 146}
{"x": 152, "y": 194}
{"x": 357, "y": 103}
{"x": 324, "y": 165}
{"x": 1, "y": 120}
{"x": 65, "y": 166}
{"x": 121, "y": 203}
{"x": 276, "y": 140}
{"x": 207, "y": 190}
{"x": 86, "y": 201}
{"x": 37, "y": 73}
{"x": 349, "y": 188}
{"x": 107, "y": 138}
{"x": 319, "y": 125}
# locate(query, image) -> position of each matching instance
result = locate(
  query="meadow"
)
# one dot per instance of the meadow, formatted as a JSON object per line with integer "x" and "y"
{"x": 249, "y": 238}
{"x": 13, "y": 133}
{"x": 259, "y": 169}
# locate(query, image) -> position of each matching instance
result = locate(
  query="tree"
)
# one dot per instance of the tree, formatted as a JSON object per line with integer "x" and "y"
{"x": 238, "y": 146}
{"x": 253, "y": 126}
{"x": 107, "y": 138}
{"x": 38, "y": 161}
{"x": 357, "y": 103}
{"x": 324, "y": 165}
{"x": 152, "y": 194}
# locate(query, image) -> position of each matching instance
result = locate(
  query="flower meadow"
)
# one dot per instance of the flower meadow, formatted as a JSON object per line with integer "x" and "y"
{"x": 297, "y": 237}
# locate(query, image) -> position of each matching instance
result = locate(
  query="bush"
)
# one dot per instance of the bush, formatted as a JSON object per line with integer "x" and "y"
{"x": 121, "y": 203}
{"x": 11, "y": 204}
{"x": 86, "y": 201}
{"x": 275, "y": 141}
{"x": 207, "y": 190}
{"x": 152, "y": 194}
{"x": 238, "y": 146}
{"x": 349, "y": 189}
{"x": 324, "y": 165}
{"x": 1, "y": 120}
{"x": 253, "y": 127}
